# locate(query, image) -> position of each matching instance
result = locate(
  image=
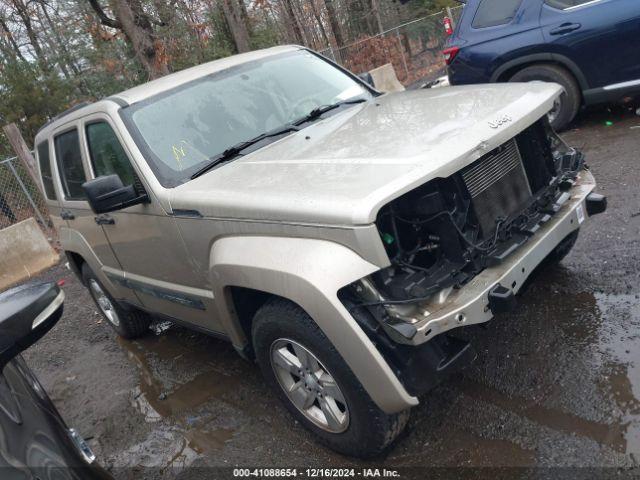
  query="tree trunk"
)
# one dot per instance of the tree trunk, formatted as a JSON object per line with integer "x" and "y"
{"x": 138, "y": 29}
{"x": 244, "y": 15}
{"x": 4, "y": 28}
{"x": 323, "y": 31}
{"x": 333, "y": 22}
{"x": 298, "y": 16}
{"x": 21, "y": 9}
{"x": 236, "y": 23}
{"x": 59, "y": 41}
{"x": 53, "y": 46}
{"x": 375, "y": 6}
{"x": 194, "y": 21}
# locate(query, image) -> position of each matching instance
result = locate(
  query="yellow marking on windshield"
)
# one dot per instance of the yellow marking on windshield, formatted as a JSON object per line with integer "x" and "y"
{"x": 179, "y": 154}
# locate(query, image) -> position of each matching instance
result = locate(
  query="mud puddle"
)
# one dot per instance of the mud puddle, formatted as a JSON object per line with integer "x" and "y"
{"x": 601, "y": 333}
{"x": 179, "y": 389}
{"x": 619, "y": 343}
{"x": 604, "y": 434}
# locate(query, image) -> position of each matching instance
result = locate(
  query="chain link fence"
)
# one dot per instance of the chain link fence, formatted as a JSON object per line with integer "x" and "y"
{"x": 413, "y": 48}
{"x": 20, "y": 198}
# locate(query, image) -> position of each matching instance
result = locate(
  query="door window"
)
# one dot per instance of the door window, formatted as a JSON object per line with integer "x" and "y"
{"x": 107, "y": 155}
{"x": 45, "y": 170}
{"x": 566, "y": 4}
{"x": 495, "y": 12}
{"x": 70, "y": 165}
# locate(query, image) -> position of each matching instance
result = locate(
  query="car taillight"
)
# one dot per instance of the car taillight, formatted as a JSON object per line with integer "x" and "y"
{"x": 450, "y": 54}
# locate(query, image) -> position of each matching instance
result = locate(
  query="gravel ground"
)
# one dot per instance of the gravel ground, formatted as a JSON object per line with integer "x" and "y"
{"x": 555, "y": 384}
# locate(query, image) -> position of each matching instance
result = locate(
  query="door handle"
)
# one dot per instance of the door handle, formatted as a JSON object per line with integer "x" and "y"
{"x": 565, "y": 28}
{"x": 105, "y": 220}
{"x": 67, "y": 215}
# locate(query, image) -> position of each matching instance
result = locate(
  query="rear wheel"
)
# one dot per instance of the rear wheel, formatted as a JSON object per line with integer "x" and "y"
{"x": 127, "y": 323}
{"x": 310, "y": 377}
{"x": 567, "y": 105}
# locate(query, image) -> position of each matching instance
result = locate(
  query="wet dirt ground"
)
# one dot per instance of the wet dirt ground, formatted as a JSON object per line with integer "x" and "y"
{"x": 555, "y": 384}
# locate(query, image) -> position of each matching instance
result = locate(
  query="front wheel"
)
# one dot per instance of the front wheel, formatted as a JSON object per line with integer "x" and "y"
{"x": 316, "y": 385}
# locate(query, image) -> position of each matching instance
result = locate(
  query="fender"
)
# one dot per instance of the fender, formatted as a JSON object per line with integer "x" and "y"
{"x": 539, "y": 58}
{"x": 308, "y": 272}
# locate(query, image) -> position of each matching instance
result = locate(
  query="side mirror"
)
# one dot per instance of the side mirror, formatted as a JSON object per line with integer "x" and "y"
{"x": 107, "y": 194}
{"x": 367, "y": 78}
{"x": 27, "y": 312}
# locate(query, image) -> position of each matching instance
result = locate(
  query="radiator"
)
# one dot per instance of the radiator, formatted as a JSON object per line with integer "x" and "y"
{"x": 498, "y": 186}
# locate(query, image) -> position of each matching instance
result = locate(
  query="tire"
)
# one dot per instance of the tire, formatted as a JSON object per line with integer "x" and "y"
{"x": 563, "y": 248}
{"x": 569, "y": 101}
{"x": 367, "y": 430}
{"x": 129, "y": 324}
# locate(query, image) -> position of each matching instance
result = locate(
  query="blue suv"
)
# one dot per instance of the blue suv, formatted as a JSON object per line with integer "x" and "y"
{"x": 590, "y": 47}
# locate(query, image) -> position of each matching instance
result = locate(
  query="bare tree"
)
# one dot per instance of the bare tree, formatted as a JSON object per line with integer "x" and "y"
{"x": 335, "y": 24}
{"x": 138, "y": 28}
{"x": 12, "y": 49}
{"x": 235, "y": 17}
{"x": 318, "y": 18}
{"x": 24, "y": 13}
{"x": 292, "y": 21}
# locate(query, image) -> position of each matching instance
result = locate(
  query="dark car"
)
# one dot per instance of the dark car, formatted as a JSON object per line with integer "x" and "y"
{"x": 35, "y": 443}
{"x": 590, "y": 47}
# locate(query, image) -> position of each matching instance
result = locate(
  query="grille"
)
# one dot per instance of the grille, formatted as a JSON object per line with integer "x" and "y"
{"x": 498, "y": 186}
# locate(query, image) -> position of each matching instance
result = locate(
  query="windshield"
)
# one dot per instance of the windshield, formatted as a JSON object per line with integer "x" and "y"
{"x": 180, "y": 130}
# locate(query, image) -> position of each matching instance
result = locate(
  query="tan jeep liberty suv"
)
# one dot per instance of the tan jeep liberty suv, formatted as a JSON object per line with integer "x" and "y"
{"x": 335, "y": 235}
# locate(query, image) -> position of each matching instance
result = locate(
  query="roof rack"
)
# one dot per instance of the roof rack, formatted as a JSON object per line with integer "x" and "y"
{"x": 64, "y": 114}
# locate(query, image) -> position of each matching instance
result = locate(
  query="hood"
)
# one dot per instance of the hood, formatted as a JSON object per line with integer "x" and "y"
{"x": 343, "y": 169}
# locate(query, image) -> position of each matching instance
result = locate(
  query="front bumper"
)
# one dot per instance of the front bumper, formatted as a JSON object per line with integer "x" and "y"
{"x": 470, "y": 304}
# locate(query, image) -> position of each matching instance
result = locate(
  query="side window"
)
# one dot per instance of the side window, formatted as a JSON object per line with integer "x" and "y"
{"x": 70, "y": 164}
{"x": 565, "y": 4}
{"x": 45, "y": 170}
{"x": 107, "y": 155}
{"x": 495, "y": 12}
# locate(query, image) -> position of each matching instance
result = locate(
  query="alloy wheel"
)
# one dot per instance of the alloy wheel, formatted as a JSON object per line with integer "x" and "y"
{"x": 104, "y": 303}
{"x": 309, "y": 385}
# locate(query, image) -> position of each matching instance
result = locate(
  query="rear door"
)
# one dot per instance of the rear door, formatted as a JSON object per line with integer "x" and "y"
{"x": 81, "y": 221}
{"x": 600, "y": 36}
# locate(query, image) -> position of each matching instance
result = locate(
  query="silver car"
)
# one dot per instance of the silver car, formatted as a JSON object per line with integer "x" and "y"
{"x": 335, "y": 235}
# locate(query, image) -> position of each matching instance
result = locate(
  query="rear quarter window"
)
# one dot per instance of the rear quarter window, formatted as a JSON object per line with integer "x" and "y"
{"x": 491, "y": 13}
{"x": 44, "y": 162}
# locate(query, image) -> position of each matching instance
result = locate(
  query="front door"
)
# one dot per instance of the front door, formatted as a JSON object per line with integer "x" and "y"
{"x": 144, "y": 238}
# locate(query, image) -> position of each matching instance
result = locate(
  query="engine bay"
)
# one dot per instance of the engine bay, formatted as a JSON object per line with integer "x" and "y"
{"x": 445, "y": 232}
{"x": 441, "y": 235}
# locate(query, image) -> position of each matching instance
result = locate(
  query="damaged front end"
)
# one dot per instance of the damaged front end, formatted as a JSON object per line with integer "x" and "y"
{"x": 441, "y": 235}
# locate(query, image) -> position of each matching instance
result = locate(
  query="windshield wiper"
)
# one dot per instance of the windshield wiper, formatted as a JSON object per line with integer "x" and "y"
{"x": 236, "y": 149}
{"x": 316, "y": 112}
